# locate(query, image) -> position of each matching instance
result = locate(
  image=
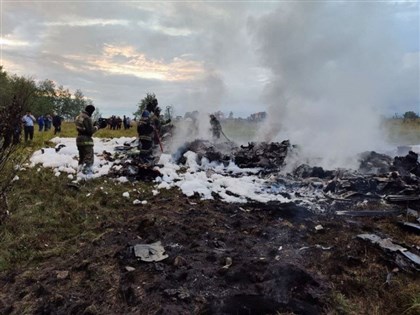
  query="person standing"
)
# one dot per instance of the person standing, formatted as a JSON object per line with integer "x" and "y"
{"x": 145, "y": 131}
{"x": 216, "y": 128}
{"x": 56, "y": 121}
{"x": 41, "y": 123}
{"x": 47, "y": 122}
{"x": 28, "y": 126}
{"x": 84, "y": 140}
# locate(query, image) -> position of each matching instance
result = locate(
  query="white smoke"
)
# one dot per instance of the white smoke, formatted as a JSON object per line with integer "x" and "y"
{"x": 205, "y": 101}
{"x": 335, "y": 67}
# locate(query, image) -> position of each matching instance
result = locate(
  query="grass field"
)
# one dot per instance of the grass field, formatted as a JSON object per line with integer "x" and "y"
{"x": 400, "y": 132}
{"x": 395, "y": 132}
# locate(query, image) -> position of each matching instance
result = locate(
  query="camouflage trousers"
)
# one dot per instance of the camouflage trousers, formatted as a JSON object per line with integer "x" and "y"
{"x": 85, "y": 157}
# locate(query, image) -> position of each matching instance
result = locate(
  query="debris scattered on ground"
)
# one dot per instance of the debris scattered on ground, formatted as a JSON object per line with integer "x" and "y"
{"x": 150, "y": 252}
{"x": 387, "y": 244}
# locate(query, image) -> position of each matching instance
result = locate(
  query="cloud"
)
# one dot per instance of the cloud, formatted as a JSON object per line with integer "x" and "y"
{"x": 204, "y": 55}
{"x": 125, "y": 60}
{"x": 74, "y": 21}
{"x": 11, "y": 43}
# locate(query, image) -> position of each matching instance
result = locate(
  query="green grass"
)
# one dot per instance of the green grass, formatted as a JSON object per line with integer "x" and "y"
{"x": 402, "y": 133}
{"x": 68, "y": 130}
{"x": 240, "y": 130}
{"x": 49, "y": 218}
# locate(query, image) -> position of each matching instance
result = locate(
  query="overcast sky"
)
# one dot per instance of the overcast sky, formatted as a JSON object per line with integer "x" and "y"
{"x": 240, "y": 56}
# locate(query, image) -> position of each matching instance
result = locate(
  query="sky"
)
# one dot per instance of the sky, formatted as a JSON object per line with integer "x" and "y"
{"x": 239, "y": 56}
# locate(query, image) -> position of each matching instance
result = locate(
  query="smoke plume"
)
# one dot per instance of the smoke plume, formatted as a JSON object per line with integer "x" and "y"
{"x": 335, "y": 67}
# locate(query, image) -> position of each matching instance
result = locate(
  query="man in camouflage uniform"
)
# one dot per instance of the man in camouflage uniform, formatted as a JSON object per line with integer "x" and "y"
{"x": 84, "y": 141}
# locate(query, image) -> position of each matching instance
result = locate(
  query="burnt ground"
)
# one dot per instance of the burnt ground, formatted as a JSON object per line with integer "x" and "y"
{"x": 223, "y": 259}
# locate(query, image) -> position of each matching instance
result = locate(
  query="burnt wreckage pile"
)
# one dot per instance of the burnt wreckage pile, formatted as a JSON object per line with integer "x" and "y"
{"x": 379, "y": 177}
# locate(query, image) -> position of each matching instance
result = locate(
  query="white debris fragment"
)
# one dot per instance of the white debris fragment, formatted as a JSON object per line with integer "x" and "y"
{"x": 319, "y": 227}
{"x": 88, "y": 194}
{"x": 155, "y": 192}
{"x": 70, "y": 176}
{"x": 126, "y": 194}
{"x": 122, "y": 179}
{"x": 57, "y": 174}
{"x": 136, "y": 202}
{"x": 144, "y": 202}
{"x": 15, "y": 178}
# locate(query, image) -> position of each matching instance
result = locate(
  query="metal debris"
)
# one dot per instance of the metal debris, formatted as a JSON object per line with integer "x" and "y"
{"x": 370, "y": 213}
{"x": 150, "y": 252}
{"x": 412, "y": 227}
{"x": 386, "y": 243}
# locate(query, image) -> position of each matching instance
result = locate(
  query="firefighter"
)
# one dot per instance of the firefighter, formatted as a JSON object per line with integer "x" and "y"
{"x": 160, "y": 123}
{"x": 216, "y": 128}
{"x": 84, "y": 141}
{"x": 145, "y": 131}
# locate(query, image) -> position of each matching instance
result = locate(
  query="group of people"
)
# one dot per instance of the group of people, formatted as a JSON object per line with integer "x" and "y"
{"x": 115, "y": 122}
{"x": 45, "y": 122}
{"x": 149, "y": 129}
{"x": 28, "y": 123}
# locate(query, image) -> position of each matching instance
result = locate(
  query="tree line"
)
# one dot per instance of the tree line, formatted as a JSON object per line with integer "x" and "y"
{"x": 41, "y": 98}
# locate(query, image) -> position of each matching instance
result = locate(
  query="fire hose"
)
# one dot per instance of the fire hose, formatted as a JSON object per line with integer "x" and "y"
{"x": 225, "y": 135}
{"x": 160, "y": 142}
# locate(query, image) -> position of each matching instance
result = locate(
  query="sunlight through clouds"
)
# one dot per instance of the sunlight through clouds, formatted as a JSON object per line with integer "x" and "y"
{"x": 77, "y": 21}
{"x": 125, "y": 60}
{"x": 5, "y": 42}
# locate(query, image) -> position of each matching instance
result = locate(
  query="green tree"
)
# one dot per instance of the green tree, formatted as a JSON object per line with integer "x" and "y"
{"x": 64, "y": 103}
{"x": 16, "y": 95}
{"x": 149, "y": 100}
{"x": 410, "y": 115}
{"x": 45, "y": 101}
{"x": 79, "y": 102}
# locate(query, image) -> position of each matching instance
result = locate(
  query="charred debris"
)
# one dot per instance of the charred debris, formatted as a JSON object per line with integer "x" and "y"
{"x": 381, "y": 187}
{"x": 387, "y": 181}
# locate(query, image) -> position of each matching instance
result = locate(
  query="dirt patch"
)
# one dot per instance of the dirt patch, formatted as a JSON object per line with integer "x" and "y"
{"x": 223, "y": 259}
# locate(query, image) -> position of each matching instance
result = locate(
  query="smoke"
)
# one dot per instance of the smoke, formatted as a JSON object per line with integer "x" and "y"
{"x": 334, "y": 69}
{"x": 201, "y": 101}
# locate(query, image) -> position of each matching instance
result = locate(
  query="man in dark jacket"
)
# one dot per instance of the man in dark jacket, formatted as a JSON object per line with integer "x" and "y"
{"x": 84, "y": 140}
{"x": 56, "y": 121}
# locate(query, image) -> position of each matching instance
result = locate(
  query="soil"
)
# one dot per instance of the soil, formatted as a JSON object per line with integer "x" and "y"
{"x": 222, "y": 259}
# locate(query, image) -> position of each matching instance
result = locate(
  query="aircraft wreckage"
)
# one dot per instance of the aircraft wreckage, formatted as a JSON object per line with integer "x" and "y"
{"x": 381, "y": 186}
{"x": 379, "y": 177}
